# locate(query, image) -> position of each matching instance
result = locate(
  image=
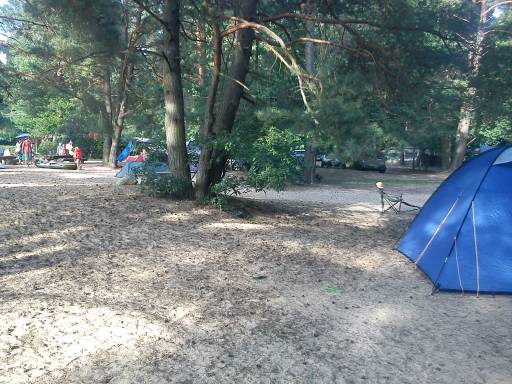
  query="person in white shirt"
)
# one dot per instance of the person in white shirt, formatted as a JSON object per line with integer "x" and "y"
{"x": 18, "y": 151}
{"x": 69, "y": 147}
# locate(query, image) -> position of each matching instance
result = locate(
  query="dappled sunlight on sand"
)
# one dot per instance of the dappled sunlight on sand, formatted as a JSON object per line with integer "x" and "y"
{"x": 175, "y": 217}
{"x": 370, "y": 262}
{"x": 362, "y": 207}
{"x": 85, "y": 175}
{"x": 41, "y": 250}
{"x": 56, "y": 234}
{"x": 31, "y": 184}
{"x": 100, "y": 283}
{"x": 55, "y": 339}
{"x": 238, "y": 226}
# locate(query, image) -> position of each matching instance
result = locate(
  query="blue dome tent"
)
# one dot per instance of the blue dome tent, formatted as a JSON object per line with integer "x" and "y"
{"x": 131, "y": 144}
{"x": 462, "y": 237}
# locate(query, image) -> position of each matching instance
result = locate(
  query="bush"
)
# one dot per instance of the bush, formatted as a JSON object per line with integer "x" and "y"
{"x": 93, "y": 149}
{"x": 162, "y": 185}
{"x": 273, "y": 163}
{"x": 228, "y": 187}
{"x": 46, "y": 147}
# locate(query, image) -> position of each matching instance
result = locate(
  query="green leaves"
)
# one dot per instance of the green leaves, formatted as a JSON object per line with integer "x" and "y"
{"x": 272, "y": 162}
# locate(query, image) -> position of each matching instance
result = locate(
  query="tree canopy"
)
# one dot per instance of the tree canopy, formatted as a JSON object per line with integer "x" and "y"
{"x": 258, "y": 79}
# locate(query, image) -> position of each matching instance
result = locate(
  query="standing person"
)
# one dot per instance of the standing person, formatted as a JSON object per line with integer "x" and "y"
{"x": 77, "y": 155}
{"x": 63, "y": 150}
{"x": 19, "y": 153}
{"x": 69, "y": 147}
{"x": 26, "y": 147}
{"x": 59, "y": 149}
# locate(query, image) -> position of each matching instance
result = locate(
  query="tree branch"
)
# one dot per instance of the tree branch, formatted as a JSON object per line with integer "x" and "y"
{"x": 493, "y": 7}
{"x": 24, "y": 21}
{"x": 348, "y": 22}
{"x": 153, "y": 14}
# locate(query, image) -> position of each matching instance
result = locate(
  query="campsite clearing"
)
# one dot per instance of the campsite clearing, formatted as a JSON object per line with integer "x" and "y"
{"x": 101, "y": 284}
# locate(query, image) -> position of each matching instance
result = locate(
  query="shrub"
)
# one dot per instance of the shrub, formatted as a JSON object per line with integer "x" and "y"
{"x": 228, "y": 187}
{"x": 93, "y": 149}
{"x": 162, "y": 185}
{"x": 46, "y": 147}
{"x": 273, "y": 163}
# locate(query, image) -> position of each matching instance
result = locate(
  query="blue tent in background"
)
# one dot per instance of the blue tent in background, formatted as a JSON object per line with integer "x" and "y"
{"x": 125, "y": 152}
{"x": 132, "y": 143}
{"x": 129, "y": 169}
{"x": 462, "y": 237}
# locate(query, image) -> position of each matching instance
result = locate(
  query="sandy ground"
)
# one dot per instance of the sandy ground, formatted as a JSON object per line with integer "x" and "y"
{"x": 99, "y": 284}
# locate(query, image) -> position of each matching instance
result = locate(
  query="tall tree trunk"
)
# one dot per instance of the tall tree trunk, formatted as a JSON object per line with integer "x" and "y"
{"x": 117, "y": 130}
{"x": 126, "y": 73}
{"x": 310, "y": 149}
{"x": 445, "y": 154}
{"x": 466, "y": 117}
{"x": 106, "y": 115}
{"x": 212, "y": 166}
{"x": 207, "y": 136}
{"x": 173, "y": 94}
{"x": 467, "y": 109}
{"x": 200, "y": 36}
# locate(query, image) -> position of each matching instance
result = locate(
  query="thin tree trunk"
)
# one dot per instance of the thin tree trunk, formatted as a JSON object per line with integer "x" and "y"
{"x": 445, "y": 155}
{"x": 467, "y": 109}
{"x": 106, "y": 115}
{"x": 118, "y": 128}
{"x": 413, "y": 158}
{"x": 310, "y": 149}
{"x": 202, "y": 176}
{"x": 309, "y": 163}
{"x": 125, "y": 77}
{"x": 173, "y": 94}
{"x": 200, "y": 36}
{"x": 232, "y": 93}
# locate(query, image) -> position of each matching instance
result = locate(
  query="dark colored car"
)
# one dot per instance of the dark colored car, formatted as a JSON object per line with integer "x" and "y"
{"x": 327, "y": 161}
{"x": 371, "y": 164}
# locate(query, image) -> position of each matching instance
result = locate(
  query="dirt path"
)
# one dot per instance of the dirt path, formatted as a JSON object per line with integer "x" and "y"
{"x": 99, "y": 284}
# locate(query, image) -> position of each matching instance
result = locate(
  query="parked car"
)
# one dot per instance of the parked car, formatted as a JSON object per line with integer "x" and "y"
{"x": 377, "y": 163}
{"x": 299, "y": 153}
{"x": 327, "y": 161}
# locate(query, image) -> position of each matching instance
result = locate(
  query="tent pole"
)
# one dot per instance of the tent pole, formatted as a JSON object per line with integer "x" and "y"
{"x": 477, "y": 259}
{"x": 436, "y": 232}
{"x": 458, "y": 267}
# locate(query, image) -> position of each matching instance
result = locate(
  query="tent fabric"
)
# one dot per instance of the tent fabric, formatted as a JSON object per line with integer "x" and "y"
{"x": 129, "y": 147}
{"x": 125, "y": 152}
{"x": 504, "y": 157}
{"x": 461, "y": 237}
{"x": 128, "y": 169}
{"x": 485, "y": 147}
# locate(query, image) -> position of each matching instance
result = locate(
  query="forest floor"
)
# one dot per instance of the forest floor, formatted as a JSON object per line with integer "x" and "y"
{"x": 100, "y": 284}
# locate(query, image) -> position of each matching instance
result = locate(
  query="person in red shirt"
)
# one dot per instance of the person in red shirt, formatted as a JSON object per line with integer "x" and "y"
{"x": 26, "y": 148}
{"x": 143, "y": 155}
{"x": 77, "y": 154}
